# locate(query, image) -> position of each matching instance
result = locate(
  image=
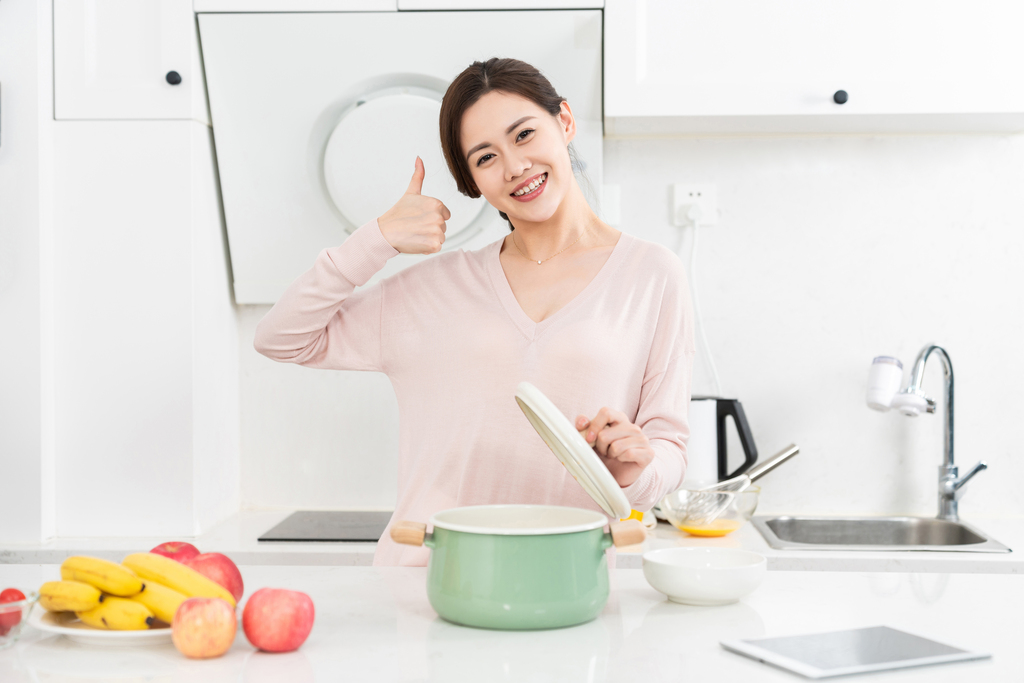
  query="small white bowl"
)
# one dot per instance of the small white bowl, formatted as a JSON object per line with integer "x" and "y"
{"x": 704, "y": 576}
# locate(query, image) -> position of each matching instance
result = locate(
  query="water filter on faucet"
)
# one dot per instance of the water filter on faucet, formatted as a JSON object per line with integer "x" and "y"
{"x": 884, "y": 380}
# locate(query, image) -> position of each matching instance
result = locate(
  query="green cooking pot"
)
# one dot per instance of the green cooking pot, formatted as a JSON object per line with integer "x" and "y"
{"x": 518, "y": 567}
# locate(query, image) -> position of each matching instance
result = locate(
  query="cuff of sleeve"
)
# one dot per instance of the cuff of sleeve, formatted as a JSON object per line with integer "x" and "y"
{"x": 363, "y": 254}
{"x": 642, "y": 491}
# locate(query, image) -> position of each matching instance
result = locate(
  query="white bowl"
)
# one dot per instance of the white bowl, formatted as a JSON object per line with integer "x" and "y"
{"x": 704, "y": 576}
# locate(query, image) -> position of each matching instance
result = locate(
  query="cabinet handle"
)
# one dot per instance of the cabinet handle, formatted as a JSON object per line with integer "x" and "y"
{"x": 174, "y": 78}
{"x": 840, "y": 97}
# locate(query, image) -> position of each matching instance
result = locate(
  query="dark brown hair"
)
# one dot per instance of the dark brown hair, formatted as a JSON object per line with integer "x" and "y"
{"x": 507, "y": 75}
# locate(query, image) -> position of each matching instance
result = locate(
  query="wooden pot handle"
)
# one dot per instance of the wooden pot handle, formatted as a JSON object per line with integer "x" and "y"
{"x": 628, "y": 532}
{"x": 409, "y": 533}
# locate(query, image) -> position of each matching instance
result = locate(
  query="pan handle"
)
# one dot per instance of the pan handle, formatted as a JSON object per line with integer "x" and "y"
{"x": 627, "y": 532}
{"x": 408, "y": 533}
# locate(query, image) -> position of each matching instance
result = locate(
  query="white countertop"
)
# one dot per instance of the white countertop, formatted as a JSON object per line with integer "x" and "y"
{"x": 375, "y": 623}
{"x": 236, "y": 537}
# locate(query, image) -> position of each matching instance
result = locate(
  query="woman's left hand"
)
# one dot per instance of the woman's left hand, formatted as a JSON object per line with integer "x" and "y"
{"x": 621, "y": 445}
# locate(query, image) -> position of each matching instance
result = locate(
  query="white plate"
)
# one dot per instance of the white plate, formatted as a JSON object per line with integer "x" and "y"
{"x": 67, "y": 624}
{"x": 572, "y": 450}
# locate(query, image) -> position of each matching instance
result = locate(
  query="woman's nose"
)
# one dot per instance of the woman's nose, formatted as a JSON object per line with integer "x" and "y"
{"x": 516, "y": 171}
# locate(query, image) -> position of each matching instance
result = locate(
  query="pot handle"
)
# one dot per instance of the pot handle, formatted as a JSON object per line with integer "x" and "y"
{"x": 409, "y": 533}
{"x": 627, "y": 532}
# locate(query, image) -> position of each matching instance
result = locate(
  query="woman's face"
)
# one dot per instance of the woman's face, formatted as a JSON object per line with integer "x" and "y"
{"x": 509, "y": 140}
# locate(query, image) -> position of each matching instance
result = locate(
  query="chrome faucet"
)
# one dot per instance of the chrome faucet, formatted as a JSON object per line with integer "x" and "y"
{"x": 911, "y": 401}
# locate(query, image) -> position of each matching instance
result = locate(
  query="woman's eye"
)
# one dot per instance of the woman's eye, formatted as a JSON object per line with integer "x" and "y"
{"x": 518, "y": 138}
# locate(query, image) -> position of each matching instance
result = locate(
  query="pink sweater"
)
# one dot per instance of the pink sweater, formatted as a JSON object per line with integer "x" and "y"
{"x": 450, "y": 335}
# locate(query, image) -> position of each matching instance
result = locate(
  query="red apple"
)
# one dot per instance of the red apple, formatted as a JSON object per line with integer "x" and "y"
{"x": 12, "y": 617}
{"x": 277, "y": 620}
{"x": 176, "y": 550}
{"x": 204, "y": 627}
{"x": 221, "y": 570}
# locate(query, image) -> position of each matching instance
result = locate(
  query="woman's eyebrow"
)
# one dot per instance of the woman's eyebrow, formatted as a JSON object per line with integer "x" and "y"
{"x": 507, "y": 131}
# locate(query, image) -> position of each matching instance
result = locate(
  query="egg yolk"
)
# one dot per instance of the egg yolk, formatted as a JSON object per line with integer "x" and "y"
{"x": 718, "y": 527}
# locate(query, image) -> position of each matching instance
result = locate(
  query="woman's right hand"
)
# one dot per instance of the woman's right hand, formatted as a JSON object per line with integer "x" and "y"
{"x": 416, "y": 223}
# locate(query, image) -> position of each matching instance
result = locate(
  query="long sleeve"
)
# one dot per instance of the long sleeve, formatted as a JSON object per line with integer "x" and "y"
{"x": 321, "y": 321}
{"x": 665, "y": 396}
{"x": 662, "y": 418}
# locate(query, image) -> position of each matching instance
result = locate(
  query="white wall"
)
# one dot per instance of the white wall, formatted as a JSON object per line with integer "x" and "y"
{"x": 314, "y": 439}
{"x": 830, "y": 250}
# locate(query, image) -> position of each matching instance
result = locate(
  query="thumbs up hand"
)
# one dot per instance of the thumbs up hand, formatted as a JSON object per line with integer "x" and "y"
{"x": 416, "y": 223}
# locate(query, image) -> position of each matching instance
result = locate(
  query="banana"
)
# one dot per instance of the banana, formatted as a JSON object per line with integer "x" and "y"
{"x": 69, "y": 596}
{"x": 176, "y": 576}
{"x": 118, "y": 614}
{"x": 162, "y": 601}
{"x": 109, "y": 577}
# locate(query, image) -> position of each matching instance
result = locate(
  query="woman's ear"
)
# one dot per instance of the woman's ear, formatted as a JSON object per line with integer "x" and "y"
{"x": 567, "y": 121}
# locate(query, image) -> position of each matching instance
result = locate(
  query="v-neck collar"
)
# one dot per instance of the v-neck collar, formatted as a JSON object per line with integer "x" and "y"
{"x": 525, "y": 323}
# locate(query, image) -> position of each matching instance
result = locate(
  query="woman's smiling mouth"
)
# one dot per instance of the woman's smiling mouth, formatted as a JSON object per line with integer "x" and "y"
{"x": 531, "y": 189}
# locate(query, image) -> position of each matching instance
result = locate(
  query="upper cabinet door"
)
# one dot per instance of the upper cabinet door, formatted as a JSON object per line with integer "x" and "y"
{"x": 750, "y": 65}
{"x": 126, "y": 59}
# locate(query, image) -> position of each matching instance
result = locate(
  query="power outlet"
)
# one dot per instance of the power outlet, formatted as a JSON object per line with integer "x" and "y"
{"x": 704, "y": 196}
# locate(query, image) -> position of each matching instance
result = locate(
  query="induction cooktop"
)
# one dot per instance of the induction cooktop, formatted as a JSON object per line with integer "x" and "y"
{"x": 330, "y": 526}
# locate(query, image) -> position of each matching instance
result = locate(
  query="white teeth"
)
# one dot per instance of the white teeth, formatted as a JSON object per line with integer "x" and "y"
{"x": 532, "y": 186}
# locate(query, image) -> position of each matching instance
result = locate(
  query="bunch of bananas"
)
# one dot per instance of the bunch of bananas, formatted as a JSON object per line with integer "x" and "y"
{"x": 129, "y": 596}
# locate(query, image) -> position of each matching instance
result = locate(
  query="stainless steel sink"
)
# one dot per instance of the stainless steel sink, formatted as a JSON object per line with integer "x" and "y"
{"x": 874, "y": 533}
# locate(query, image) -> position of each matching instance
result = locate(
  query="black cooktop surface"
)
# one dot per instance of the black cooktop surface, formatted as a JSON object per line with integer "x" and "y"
{"x": 330, "y": 525}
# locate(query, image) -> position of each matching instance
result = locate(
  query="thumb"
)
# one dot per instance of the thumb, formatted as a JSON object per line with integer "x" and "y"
{"x": 416, "y": 184}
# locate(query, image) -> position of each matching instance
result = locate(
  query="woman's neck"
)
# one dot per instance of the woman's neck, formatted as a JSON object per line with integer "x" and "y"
{"x": 573, "y": 217}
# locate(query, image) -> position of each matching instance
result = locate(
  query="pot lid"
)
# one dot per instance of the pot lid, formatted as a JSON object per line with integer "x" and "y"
{"x": 572, "y": 450}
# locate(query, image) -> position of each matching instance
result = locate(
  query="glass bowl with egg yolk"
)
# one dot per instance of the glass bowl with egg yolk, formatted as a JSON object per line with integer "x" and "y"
{"x": 738, "y": 511}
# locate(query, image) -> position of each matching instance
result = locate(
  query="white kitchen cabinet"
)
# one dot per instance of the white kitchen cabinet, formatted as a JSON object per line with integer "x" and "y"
{"x": 696, "y": 66}
{"x": 146, "y": 349}
{"x": 126, "y": 59}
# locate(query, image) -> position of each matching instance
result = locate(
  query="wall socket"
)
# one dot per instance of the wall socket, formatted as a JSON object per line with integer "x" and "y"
{"x": 704, "y": 196}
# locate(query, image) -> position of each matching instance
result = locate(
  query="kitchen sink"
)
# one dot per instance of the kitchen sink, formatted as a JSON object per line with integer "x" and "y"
{"x": 874, "y": 533}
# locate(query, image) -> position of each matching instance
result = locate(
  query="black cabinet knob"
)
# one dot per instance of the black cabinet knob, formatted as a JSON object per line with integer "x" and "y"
{"x": 174, "y": 78}
{"x": 840, "y": 97}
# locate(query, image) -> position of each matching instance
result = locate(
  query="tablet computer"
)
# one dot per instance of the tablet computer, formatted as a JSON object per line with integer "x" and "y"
{"x": 853, "y": 651}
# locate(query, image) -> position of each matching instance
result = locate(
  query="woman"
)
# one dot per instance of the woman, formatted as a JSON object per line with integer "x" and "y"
{"x": 598, "y": 320}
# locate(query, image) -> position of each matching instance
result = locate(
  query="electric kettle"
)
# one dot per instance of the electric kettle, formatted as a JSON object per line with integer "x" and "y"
{"x": 706, "y": 449}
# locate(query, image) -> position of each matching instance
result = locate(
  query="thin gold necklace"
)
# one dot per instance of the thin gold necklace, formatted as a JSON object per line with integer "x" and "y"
{"x": 549, "y": 257}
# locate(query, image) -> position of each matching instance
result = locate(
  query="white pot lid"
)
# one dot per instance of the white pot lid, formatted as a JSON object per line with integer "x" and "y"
{"x": 572, "y": 450}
